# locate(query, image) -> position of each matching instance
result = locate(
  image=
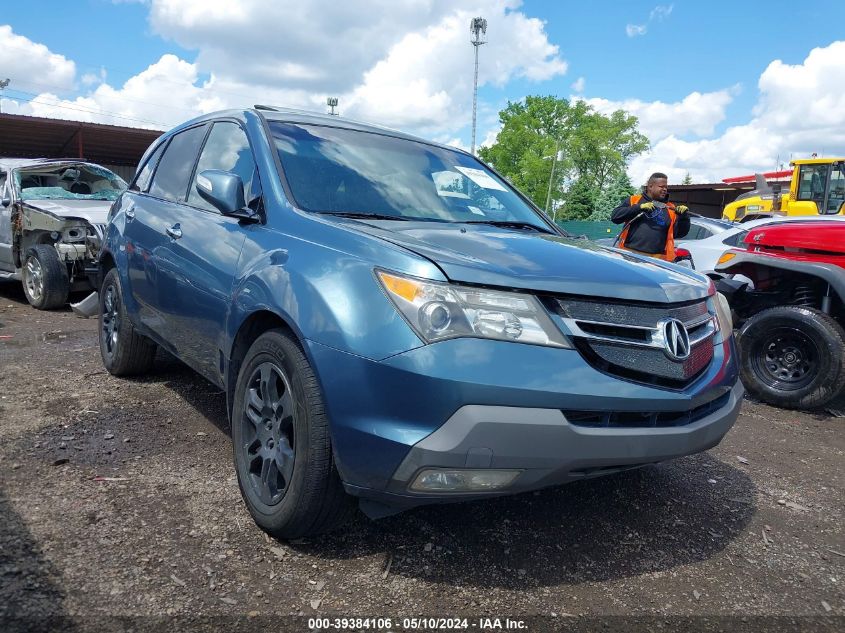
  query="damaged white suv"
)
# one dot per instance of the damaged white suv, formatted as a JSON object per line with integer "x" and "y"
{"x": 52, "y": 217}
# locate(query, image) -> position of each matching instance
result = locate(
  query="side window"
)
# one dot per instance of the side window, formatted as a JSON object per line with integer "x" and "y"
{"x": 177, "y": 165}
{"x": 811, "y": 182}
{"x": 695, "y": 233}
{"x": 142, "y": 180}
{"x": 836, "y": 190}
{"x": 227, "y": 149}
{"x": 2, "y": 183}
{"x": 735, "y": 240}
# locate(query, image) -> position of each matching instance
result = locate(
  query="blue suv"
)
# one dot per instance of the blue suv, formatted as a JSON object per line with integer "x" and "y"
{"x": 392, "y": 321}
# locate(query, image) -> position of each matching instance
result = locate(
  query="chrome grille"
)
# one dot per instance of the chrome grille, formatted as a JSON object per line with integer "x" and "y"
{"x": 627, "y": 340}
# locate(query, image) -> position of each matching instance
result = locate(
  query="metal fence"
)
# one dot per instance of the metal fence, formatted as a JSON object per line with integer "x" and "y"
{"x": 592, "y": 230}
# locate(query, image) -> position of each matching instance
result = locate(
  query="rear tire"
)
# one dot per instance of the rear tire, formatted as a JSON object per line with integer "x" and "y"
{"x": 282, "y": 449}
{"x": 45, "y": 279}
{"x": 793, "y": 357}
{"x": 124, "y": 351}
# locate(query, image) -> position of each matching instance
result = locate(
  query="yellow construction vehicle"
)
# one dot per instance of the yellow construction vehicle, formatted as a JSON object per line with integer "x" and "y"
{"x": 817, "y": 188}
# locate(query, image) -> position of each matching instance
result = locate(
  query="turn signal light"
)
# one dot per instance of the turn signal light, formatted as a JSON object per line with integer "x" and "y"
{"x": 726, "y": 257}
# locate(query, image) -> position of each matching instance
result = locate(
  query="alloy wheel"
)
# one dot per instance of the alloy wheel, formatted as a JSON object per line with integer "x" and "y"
{"x": 110, "y": 328}
{"x": 267, "y": 424}
{"x": 34, "y": 279}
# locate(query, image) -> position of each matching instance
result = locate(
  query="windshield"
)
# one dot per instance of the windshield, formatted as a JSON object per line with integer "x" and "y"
{"x": 68, "y": 181}
{"x": 332, "y": 170}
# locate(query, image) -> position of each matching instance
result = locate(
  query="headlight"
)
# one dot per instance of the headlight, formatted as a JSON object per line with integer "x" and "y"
{"x": 723, "y": 314}
{"x": 438, "y": 311}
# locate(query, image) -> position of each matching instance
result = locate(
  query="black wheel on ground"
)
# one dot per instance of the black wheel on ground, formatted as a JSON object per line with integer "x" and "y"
{"x": 45, "y": 279}
{"x": 124, "y": 351}
{"x": 793, "y": 357}
{"x": 282, "y": 448}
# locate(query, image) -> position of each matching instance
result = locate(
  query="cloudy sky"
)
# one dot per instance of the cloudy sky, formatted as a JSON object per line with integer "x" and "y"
{"x": 721, "y": 88}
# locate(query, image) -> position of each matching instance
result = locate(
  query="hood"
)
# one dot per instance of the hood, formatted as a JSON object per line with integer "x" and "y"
{"x": 93, "y": 211}
{"x": 507, "y": 258}
{"x": 816, "y": 235}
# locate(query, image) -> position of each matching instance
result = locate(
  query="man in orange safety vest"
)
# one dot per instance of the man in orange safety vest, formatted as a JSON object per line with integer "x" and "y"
{"x": 652, "y": 223}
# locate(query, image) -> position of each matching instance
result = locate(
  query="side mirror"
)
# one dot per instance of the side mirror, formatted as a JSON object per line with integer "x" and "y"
{"x": 6, "y": 200}
{"x": 225, "y": 191}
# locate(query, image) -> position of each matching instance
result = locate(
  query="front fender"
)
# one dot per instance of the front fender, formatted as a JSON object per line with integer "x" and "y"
{"x": 831, "y": 273}
{"x": 327, "y": 296}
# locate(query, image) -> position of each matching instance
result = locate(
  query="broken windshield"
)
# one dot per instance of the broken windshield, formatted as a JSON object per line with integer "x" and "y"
{"x": 68, "y": 181}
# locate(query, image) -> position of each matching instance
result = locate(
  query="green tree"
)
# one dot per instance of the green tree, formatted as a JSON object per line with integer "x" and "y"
{"x": 532, "y": 132}
{"x": 580, "y": 201}
{"x": 595, "y": 147}
{"x": 619, "y": 189}
{"x": 687, "y": 180}
{"x": 603, "y": 145}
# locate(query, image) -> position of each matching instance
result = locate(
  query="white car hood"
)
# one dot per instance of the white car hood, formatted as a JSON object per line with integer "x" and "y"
{"x": 93, "y": 211}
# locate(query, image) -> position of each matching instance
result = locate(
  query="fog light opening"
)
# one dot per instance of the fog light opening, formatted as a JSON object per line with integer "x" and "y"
{"x": 460, "y": 480}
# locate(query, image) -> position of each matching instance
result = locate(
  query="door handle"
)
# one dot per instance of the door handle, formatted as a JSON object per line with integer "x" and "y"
{"x": 174, "y": 231}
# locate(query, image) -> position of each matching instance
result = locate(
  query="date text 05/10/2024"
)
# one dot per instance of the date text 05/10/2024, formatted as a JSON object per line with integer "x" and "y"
{"x": 413, "y": 624}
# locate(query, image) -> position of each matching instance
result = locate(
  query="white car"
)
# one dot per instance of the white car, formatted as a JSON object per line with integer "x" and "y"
{"x": 708, "y": 239}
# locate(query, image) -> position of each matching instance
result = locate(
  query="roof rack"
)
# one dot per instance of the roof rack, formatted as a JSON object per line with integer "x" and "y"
{"x": 270, "y": 108}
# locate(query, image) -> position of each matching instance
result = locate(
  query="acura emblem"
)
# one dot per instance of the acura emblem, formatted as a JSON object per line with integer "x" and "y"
{"x": 675, "y": 339}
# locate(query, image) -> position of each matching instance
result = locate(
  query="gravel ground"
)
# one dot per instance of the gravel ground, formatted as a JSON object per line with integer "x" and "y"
{"x": 119, "y": 509}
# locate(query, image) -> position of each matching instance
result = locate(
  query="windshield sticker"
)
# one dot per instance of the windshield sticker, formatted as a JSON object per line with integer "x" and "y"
{"x": 480, "y": 178}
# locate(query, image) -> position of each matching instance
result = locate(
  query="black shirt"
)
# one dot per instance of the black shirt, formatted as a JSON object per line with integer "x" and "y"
{"x": 647, "y": 233}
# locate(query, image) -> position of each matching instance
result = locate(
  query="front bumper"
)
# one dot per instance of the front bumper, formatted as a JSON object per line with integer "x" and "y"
{"x": 545, "y": 447}
{"x": 472, "y": 403}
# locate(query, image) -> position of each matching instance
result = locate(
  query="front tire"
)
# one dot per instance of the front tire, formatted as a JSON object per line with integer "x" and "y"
{"x": 123, "y": 350}
{"x": 282, "y": 450}
{"x": 792, "y": 357}
{"x": 45, "y": 279}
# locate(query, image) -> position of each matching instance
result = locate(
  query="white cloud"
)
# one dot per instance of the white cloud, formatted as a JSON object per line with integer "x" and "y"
{"x": 138, "y": 103}
{"x": 89, "y": 79}
{"x": 661, "y": 12}
{"x": 405, "y": 64}
{"x": 25, "y": 62}
{"x": 697, "y": 113}
{"x": 491, "y": 137}
{"x": 781, "y": 125}
{"x": 425, "y": 81}
{"x": 657, "y": 14}
{"x": 578, "y": 84}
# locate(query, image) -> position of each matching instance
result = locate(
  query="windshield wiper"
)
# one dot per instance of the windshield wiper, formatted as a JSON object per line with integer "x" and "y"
{"x": 364, "y": 216}
{"x": 511, "y": 224}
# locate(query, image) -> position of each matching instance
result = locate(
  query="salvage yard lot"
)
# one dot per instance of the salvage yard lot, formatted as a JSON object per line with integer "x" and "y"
{"x": 118, "y": 497}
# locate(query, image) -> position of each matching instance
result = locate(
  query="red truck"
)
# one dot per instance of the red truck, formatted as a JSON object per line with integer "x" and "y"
{"x": 792, "y": 341}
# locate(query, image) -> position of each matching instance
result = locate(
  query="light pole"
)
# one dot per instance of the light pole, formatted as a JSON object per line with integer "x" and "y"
{"x": 478, "y": 28}
{"x": 558, "y": 155}
{"x": 332, "y": 103}
{"x": 3, "y": 84}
